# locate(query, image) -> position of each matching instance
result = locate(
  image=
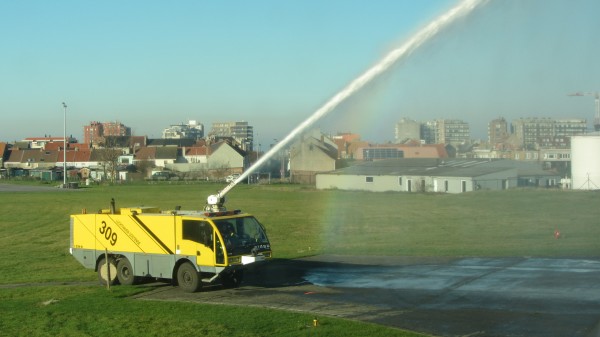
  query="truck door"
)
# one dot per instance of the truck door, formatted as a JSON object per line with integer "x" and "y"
{"x": 223, "y": 241}
{"x": 198, "y": 239}
{"x": 219, "y": 252}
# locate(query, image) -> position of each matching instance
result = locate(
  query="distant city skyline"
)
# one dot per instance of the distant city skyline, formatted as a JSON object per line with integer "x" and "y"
{"x": 417, "y": 129}
{"x": 153, "y": 64}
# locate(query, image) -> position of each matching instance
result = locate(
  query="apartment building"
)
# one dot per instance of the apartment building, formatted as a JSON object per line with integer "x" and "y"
{"x": 497, "y": 131}
{"x": 96, "y": 132}
{"x": 537, "y": 133}
{"x": 407, "y": 129}
{"x": 241, "y": 132}
{"x": 191, "y": 130}
{"x": 446, "y": 131}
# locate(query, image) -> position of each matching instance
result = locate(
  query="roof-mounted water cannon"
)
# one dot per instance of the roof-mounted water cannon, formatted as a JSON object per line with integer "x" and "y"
{"x": 215, "y": 203}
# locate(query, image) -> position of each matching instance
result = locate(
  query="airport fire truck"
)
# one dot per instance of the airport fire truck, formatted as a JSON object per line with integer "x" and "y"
{"x": 187, "y": 248}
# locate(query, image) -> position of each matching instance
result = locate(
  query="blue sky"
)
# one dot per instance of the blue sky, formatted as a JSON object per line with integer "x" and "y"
{"x": 149, "y": 64}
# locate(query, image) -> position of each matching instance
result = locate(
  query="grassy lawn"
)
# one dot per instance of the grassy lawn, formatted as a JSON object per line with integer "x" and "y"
{"x": 301, "y": 221}
{"x": 93, "y": 311}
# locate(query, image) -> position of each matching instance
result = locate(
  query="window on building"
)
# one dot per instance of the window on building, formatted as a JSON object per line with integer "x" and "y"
{"x": 400, "y": 181}
{"x": 382, "y": 153}
{"x": 369, "y": 179}
{"x": 445, "y": 185}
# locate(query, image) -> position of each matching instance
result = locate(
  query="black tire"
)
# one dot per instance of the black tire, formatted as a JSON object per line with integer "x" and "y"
{"x": 125, "y": 272}
{"x": 188, "y": 278}
{"x": 232, "y": 279}
{"x": 103, "y": 271}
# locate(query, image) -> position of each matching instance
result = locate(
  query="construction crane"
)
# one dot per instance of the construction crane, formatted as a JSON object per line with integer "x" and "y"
{"x": 597, "y": 96}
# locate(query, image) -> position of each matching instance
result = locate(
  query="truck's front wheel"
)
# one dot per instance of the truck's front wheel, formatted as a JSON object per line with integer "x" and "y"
{"x": 232, "y": 279}
{"x": 188, "y": 278}
{"x": 107, "y": 271}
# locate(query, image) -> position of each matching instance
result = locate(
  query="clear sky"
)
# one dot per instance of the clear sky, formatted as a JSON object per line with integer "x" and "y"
{"x": 150, "y": 64}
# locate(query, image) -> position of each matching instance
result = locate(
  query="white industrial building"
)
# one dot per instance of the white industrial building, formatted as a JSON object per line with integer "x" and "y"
{"x": 585, "y": 161}
{"x": 436, "y": 175}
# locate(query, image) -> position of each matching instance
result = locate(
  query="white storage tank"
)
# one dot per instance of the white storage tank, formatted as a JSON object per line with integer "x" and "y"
{"x": 585, "y": 162}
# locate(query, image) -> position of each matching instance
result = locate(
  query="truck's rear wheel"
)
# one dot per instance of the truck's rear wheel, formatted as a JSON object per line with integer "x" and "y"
{"x": 188, "y": 278}
{"x": 125, "y": 272}
{"x": 107, "y": 269}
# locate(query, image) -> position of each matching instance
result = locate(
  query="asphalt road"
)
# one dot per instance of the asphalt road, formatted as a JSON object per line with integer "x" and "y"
{"x": 444, "y": 297}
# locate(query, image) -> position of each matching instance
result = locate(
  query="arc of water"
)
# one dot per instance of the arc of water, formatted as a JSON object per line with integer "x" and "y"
{"x": 432, "y": 29}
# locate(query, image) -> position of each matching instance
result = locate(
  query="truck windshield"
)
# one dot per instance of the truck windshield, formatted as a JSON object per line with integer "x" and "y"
{"x": 243, "y": 235}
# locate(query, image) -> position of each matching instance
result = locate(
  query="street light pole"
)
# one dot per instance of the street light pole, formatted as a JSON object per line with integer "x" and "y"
{"x": 65, "y": 147}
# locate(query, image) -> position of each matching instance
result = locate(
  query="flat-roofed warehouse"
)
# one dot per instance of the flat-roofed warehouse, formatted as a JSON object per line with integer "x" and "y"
{"x": 437, "y": 175}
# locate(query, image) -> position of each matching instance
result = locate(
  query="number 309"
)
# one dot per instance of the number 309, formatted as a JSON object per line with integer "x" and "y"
{"x": 108, "y": 233}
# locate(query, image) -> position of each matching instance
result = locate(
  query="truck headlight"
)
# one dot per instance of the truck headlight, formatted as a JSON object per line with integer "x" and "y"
{"x": 235, "y": 260}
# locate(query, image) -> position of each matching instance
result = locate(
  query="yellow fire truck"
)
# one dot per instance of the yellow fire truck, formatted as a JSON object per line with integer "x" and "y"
{"x": 188, "y": 248}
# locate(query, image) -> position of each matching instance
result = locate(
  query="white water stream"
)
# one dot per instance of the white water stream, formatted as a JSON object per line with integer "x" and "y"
{"x": 432, "y": 29}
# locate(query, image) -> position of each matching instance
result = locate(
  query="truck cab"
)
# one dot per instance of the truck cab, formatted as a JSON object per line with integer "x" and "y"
{"x": 229, "y": 240}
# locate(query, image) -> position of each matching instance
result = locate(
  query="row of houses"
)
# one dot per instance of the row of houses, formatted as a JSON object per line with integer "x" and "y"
{"x": 220, "y": 158}
{"x": 312, "y": 153}
{"x": 312, "y": 159}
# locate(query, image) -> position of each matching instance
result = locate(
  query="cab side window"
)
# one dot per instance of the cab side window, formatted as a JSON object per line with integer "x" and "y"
{"x": 198, "y": 231}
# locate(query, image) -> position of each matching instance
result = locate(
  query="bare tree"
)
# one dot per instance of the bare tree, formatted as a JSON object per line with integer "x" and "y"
{"x": 144, "y": 167}
{"x": 109, "y": 156}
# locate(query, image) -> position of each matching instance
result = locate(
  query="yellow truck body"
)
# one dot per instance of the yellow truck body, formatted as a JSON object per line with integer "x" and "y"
{"x": 188, "y": 248}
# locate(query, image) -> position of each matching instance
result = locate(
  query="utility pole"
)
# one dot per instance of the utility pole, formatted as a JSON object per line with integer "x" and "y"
{"x": 65, "y": 147}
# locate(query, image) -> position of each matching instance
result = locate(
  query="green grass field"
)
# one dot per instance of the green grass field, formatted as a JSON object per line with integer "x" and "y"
{"x": 301, "y": 221}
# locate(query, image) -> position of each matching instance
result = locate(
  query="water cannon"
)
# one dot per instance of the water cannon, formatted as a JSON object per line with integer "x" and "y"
{"x": 215, "y": 203}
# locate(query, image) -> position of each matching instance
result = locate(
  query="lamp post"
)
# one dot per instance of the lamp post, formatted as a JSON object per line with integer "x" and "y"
{"x": 65, "y": 147}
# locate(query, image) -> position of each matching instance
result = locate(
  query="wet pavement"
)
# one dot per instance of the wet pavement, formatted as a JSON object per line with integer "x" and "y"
{"x": 444, "y": 297}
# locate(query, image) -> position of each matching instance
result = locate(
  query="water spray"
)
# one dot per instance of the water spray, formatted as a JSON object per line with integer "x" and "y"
{"x": 216, "y": 202}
